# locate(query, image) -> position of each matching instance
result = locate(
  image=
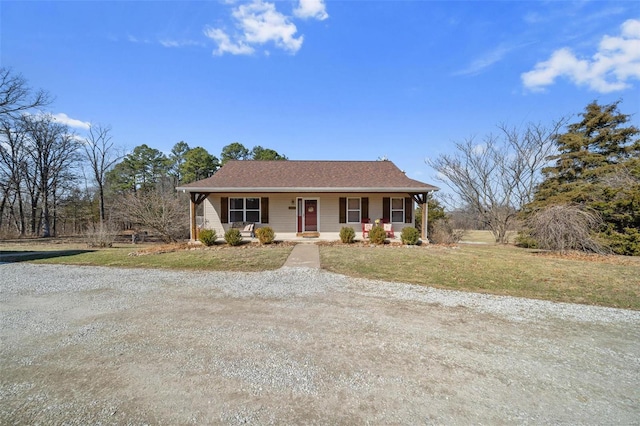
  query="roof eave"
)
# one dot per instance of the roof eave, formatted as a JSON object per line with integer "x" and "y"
{"x": 308, "y": 189}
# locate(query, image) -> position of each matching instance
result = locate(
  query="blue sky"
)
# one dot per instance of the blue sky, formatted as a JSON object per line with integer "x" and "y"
{"x": 314, "y": 80}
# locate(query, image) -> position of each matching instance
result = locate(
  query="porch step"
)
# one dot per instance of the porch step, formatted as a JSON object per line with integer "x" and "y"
{"x": 308, "y": 234}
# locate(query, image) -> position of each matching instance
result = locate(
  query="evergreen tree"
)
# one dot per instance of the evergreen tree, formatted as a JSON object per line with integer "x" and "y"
{"x": 260, "y": 153}
{"x": 177, "y": 159}
{"x": 598, "y": 167}
{"x": 198, "y": 164}
{"x": 435, "y": 211}
{"x": 234, "y": 151}
{"x": 140, "y": 170}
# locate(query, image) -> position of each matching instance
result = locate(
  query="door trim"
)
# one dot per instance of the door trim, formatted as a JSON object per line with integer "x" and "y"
{"x": 300, "y": 214}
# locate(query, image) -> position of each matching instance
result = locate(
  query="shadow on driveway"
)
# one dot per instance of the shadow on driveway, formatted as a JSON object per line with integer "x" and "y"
{"x": 22, "y": 256}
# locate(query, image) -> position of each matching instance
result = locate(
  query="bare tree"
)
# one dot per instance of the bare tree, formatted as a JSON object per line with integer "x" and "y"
{"x": 16, "y": 96}
{"x": 13, "y": 160}
{"x": 102, "y": 155}
{"x": 498, "y": 176}
{"x": 53, "y": 150}
{"x": 160, "y": 209}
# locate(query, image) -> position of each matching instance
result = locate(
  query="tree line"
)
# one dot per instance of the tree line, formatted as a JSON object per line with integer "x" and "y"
{"x": 565, "y": 186}
{"x": 54, "y": 181}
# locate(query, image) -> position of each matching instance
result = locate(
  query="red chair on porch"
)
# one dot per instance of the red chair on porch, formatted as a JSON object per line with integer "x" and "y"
{"x": 366, "y": 227}
{"x": 388, "y": 228}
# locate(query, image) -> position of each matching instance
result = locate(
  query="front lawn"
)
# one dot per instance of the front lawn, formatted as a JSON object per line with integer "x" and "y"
{"x": 504, "y": 270}
{"x": 219, "y": 258}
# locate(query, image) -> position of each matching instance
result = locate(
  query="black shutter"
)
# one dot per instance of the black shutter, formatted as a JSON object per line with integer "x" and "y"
{"x": 264, "y": 207}
{"x": 408, "y": 210}
{"x": 224, "y": 209}
{"x": 365, "y": 208}
{"x": 386, "y": 209}
{"x": 343, "y": 210}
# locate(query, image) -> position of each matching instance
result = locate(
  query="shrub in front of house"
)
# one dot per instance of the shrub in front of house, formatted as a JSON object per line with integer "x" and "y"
{"x": 233, "y": 237}
{"x": 265, "y": 235}
{"x": 377, "y": 235}
{"x": 207, "y": 237}
{"x": 347, "y": 234}
{"x": 410, "y": 236}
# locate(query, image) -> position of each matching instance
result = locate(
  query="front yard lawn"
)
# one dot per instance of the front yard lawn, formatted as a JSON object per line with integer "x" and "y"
{"x": 504, "y": 270}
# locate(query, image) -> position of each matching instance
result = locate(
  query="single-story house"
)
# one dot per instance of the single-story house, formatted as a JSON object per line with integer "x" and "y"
{"x": 306, "y": 198}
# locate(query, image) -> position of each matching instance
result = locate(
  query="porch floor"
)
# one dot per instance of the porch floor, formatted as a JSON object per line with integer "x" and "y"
{"x": 322, "y": 236}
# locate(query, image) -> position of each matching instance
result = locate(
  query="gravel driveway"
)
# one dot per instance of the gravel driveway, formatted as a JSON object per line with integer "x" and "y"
{"x": 103, "y": 345}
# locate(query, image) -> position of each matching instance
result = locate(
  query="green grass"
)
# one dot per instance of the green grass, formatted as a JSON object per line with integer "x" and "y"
{"x": 478, "y": 237}
{"x": 243, "y": 258}
{"x": 475, "y": 236}
{"x": 495, "y": 269}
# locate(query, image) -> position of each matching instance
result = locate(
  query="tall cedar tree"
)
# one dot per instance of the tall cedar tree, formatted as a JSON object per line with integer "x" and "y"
{"x": 598, "y": 167}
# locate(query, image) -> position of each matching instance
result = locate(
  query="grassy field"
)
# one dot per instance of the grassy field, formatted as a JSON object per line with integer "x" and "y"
{"x": 473, "y": 236}
{"x": 487, "y": 268}
{"x": 496, "y": 269}
{"x": 221, "y": 258}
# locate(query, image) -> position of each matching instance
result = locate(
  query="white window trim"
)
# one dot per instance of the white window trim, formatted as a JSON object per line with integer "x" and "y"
{"x": 359, "y": 209}
{"x": 244, "y": 209}
{"x": 396, "y": 210}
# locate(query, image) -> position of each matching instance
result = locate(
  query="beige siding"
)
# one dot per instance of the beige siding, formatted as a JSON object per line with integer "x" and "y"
{"x": 212, "y": 215}
{"x": 283, "y": 219}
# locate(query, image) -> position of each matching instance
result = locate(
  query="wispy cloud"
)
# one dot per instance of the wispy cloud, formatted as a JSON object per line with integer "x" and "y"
{"x": 134, "y": 39}
{"x": 311, "y": 9}
{"x": 489, "y": 58}
{"x": 179, "y": 43}
{"x": 258, "y": 23}
{"x": 71, "y": 122}
{"x": 610, "y": 69}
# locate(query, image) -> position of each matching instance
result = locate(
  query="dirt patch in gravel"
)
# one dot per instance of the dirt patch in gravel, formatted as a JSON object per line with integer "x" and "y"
{"x": 179, "y": 348}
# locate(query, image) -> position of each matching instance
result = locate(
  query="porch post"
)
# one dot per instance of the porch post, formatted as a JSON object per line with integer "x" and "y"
{"x": 425, "y": 214}
{"x": 421, "y": 199}
{"x": 192, "y": 216}
{"x": 195, "y": 199}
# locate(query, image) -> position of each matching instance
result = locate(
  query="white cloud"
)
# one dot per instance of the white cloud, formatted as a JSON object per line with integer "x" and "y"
{"x": 71, "y": 122}
{"x": 262, "y": 23}
{"x": 259, "y": 23}
{"x": 479, "y": 149}
{"x": 311, "y": 9}
{"x": 225, "y": 45}
{"x": 610, "y": 69}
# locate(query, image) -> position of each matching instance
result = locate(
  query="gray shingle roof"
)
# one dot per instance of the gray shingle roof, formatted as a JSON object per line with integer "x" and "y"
{"x": 310, "y": 176}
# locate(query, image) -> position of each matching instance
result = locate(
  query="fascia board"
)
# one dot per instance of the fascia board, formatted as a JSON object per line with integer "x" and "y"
{"x": 314, "y": 189}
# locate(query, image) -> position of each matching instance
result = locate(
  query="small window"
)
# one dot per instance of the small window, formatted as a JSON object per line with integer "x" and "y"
{"x": 397, "y": 210}
{"x": 244, "y": 210}
{"x": 252, "y": 213}
{"x": 353, "y": 210}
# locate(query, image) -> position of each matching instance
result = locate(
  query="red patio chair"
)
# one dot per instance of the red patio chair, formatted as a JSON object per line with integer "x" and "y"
{"x": 366, "y": 227}
{"x": 388, "y": 228}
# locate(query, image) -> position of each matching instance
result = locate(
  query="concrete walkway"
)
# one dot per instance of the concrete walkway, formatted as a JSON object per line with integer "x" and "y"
{"x": 305, "y": 255}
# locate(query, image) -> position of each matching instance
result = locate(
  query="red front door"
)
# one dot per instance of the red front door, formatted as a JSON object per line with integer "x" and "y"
{"x": 310, "y": 215}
